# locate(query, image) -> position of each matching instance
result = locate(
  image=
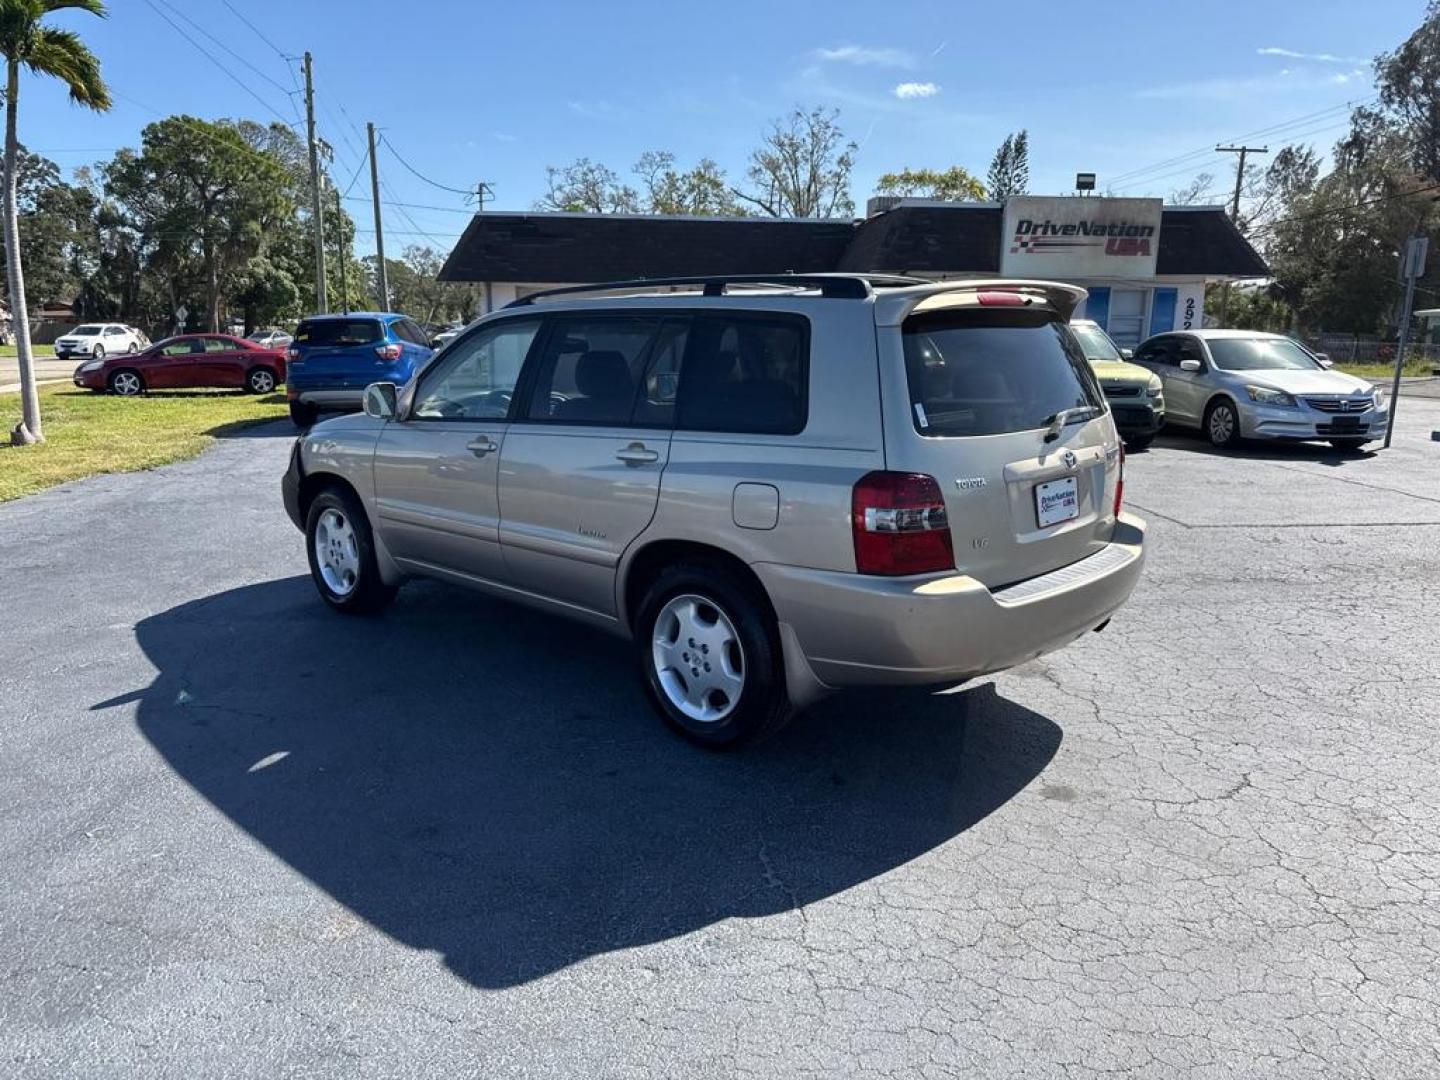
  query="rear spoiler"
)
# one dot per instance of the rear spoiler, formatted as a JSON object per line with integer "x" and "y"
{"x": 893, "y": 308}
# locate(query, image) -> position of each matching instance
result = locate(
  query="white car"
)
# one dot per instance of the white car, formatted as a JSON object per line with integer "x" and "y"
{"x": 270, "y": 339}
{"x": 99, "y": 340}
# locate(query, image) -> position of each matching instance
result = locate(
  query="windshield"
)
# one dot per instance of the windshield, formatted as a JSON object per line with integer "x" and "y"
{"x": 87, "y": 330}
{"x": 988, "y": 372}
{"x": 1261, "y": 354}
{"x": 1096, "y": 343}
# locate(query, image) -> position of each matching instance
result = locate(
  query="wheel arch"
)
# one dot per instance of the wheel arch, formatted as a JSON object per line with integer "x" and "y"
{"x": 313, "y": 483}
{"x": 641, "y": 567}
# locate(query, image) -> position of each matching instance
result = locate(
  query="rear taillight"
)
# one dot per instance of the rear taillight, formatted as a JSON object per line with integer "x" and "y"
{"x": 388, "y": 352}
{"x": 292, "y": 353}
{"x": 900, "y": 525}
{"x": 1120, "y": 482}
{"x": 1000, "y": 298}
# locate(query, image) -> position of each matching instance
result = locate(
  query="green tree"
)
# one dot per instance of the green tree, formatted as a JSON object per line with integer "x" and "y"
{"x": 802, "y": 167}
{"x": 44, "y": 50}
{"x": 208, "y": 201}
{"x": 955, "y": 184}
{"x": 1409, "y": 83}
{"x": 587, "y": 187}
{"x": 1010, "y": 167}
{"x": 700, "y": 190}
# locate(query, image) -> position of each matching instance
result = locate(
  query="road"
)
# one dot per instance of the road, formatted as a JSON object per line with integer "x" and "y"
{"x": 243, "y": 837}
{"x": 47, "y": 368}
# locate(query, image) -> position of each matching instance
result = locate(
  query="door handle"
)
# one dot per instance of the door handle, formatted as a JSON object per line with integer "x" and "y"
{"x": 482, "y": 446}
{"x": 637, "y": 454}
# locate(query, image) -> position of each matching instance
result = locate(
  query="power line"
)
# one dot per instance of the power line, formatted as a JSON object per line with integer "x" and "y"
{"x": 177, "y": 12}
{"x": 1375, "y": 201}
{"x": 211, "y": 57}
{"x": 416, "y": 206}
{"x": 419, "y": 175}
{"x": 236, "y": 12}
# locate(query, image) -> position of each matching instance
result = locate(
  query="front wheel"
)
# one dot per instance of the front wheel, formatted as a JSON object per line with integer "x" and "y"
{"x": 342, "y": 555}
{"x": 127, "y": 383}
{"x": 710, "y": 656}
{"x": 98, "y": 353}
{"x": 260, "y": 380}
{"x": 1222, "y": 424}
{"x": 133, "y": 349}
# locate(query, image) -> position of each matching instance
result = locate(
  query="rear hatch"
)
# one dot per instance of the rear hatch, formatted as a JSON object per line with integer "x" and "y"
{"x": 337, "y": 352}
{"x": 991, "y": 396}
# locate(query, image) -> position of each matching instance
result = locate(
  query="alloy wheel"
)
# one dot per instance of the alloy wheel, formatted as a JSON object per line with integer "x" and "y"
{"x": 1222, "y": 425}
{"x": 126, "y": 384}
{"x": 699, "y": 661}
{"x": 336, "y": 552}
{"x": 262, "y": 382}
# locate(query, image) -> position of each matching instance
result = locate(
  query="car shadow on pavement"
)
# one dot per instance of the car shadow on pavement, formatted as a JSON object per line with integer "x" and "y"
{"x": 490, "y": 783}
{"x": 1260, "y": 450}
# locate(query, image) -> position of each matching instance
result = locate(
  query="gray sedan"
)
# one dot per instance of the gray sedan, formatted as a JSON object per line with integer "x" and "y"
{"x": 1242, "y": 384}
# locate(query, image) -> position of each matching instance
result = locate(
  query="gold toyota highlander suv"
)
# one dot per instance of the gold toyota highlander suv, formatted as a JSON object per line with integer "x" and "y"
{"x": 775, "y": 486}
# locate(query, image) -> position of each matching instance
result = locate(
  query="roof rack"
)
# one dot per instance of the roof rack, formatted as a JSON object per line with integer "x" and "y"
{"x": 830, "y": 286}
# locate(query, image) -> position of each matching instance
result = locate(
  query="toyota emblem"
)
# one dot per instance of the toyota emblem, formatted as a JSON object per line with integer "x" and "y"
{"x": 1069, "y": 458}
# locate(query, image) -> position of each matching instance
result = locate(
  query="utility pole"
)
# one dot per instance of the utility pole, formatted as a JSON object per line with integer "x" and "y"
{"x": 1413, "y": 262}
{"x": 316, "y": 210}
{"x": 383, "y": 275}
{"x": 1235, "y": 208}
{"x": 340, "y": 248}
{"x": 484, "y": 191}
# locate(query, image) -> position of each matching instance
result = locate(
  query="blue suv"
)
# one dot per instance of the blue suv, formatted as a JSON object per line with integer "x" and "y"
{"x": 334, "y": 357}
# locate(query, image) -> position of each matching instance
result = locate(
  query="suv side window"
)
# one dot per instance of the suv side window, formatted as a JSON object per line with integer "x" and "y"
{"x": 1157, "y": 351}
{"x": 1190, "y": 349}
{"x": 477, "y": 378}
{"x": 746, "y": 373}
{"x": 406, "y": 330}
{"x": 591, "y": 370}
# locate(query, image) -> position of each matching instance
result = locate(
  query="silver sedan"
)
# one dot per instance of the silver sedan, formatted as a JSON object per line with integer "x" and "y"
{"x": 1242, "y": 384}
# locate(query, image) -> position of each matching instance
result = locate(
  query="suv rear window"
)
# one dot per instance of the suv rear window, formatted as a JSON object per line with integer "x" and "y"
{"x": 989, "y": 372}
{"x": 338, "y": 332}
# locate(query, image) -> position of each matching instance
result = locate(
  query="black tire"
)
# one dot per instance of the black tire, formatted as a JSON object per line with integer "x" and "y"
{"x": 133, "y": 349}
{"x": 260, "y": 380}
{"x": 763, "y": 706}
{"x": 1136, "y": 443}
{"x": 302, "y": 415}
{"x": 1350, "y": 446}
{"x": 1217, "y": 437}
{"x": 368, "y": 594}
{"x": 97, "y": 353}
{"x": 120, "y": 383}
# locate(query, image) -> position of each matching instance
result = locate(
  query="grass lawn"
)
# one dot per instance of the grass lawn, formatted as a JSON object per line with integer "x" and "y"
{"x": 1385, "y": 371}
{"x": 40, "y": 352}
{"x": 88, "y": 433}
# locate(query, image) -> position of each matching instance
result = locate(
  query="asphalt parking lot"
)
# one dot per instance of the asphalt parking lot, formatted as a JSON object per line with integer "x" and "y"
{"x": 240, "y": 836}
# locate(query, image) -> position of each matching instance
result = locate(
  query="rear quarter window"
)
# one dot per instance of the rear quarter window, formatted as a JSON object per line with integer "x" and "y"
{"x": 746, "y": 373}
{"x": 993, "y": 371}
{"x": 338, "y": 332}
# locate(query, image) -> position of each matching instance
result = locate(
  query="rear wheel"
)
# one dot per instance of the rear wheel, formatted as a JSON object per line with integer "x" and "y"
{"x": 260, "y": 380}
{"x": 1222, "y": 423}
{"x": 302, "y": 415}
{"x": 710, "y": 656}
{"x": 126, "y": 382}
{"x": 342, "y": 555}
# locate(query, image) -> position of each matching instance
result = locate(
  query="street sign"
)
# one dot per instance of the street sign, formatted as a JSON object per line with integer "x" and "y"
{"x": 1415, "y": 252}
{"x": 181, "y": 314}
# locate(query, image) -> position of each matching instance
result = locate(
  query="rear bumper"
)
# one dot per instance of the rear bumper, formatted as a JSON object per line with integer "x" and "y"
{"x": 327, "y": 398}
{"x": 855, "y": 630}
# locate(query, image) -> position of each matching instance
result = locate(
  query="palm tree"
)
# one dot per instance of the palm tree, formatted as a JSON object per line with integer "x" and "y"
{"x": 45, "y": 51}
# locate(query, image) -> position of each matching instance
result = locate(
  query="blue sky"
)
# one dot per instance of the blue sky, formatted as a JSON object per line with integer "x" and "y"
{"x": 479, "y": 90}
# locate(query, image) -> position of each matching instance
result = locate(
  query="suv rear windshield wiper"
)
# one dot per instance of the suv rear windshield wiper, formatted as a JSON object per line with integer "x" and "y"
{"x": 1058, "y": 422}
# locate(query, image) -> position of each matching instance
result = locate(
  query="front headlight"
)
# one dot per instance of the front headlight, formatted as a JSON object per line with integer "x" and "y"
{"x": 93, "y": 365}
{"x": 1379, "y": 398}
{"x": 1264, "y": 395}
{"x": 1155, "y": 387}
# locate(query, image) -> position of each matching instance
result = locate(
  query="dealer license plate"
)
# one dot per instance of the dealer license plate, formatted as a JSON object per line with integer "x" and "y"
{"x": 1056, "y": 501}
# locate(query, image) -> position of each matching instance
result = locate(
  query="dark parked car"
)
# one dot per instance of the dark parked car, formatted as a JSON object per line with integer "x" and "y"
{"x": 190, "y": 360}
{"x": 334, "y": 357}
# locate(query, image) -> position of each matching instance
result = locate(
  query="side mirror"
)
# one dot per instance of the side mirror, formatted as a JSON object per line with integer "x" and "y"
{"x": 1127, "y": 354}
{"x": 380, "y": 400}
{"x": 1191, "y": 365}
{"x": 1325, "y": 361}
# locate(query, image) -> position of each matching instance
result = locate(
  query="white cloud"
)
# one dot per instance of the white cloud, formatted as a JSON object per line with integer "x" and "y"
{"x": 1292, "y": 54}
{"x": 867, "y": 56}
{"x": 908, "y": 90}
{"x": 503, "y": 136}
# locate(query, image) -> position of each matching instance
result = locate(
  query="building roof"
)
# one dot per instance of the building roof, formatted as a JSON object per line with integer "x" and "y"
{"x": 912, "y": 238}
{"x": 615, "y": 247}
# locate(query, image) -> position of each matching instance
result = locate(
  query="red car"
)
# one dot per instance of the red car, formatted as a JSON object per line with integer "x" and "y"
{"x": 217, "y": 360}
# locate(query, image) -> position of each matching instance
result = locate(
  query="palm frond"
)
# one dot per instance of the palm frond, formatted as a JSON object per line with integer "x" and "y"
{"x": 62, "y": 54}
{"x": 95, "y": 7}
